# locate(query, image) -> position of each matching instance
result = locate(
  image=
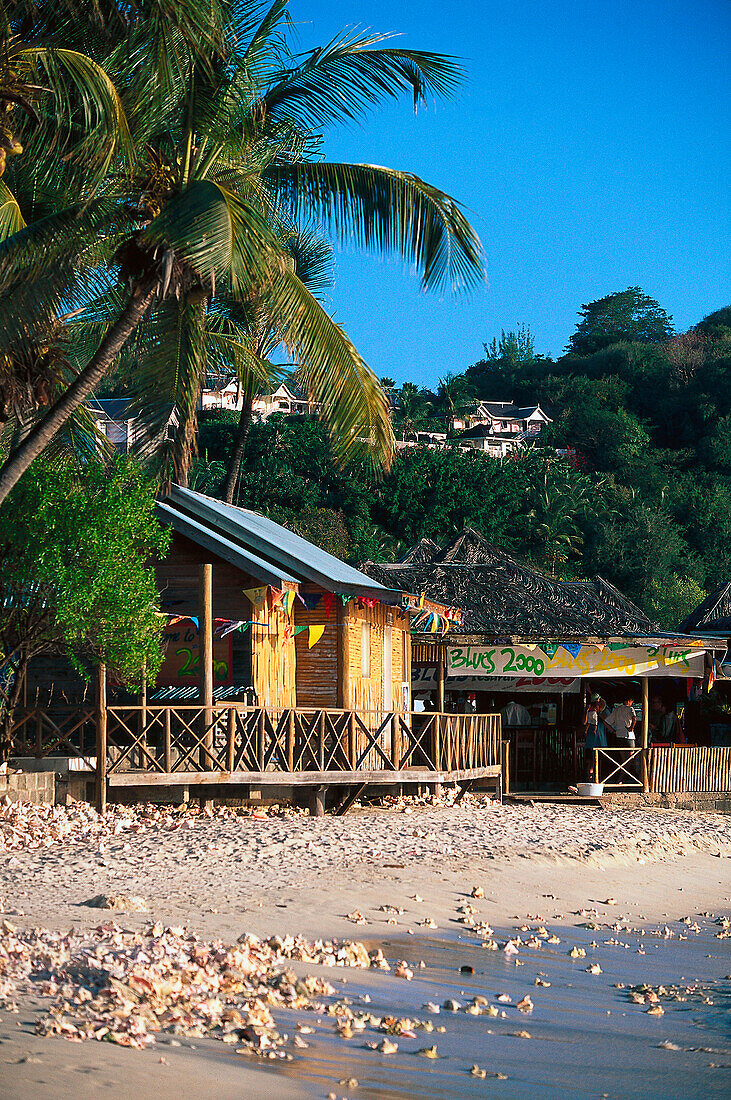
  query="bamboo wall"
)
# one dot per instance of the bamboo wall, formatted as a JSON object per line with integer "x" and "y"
{"x": 273, "y": 661}
{"x": 680, "y": 768}
{"x": 365, "y": 693}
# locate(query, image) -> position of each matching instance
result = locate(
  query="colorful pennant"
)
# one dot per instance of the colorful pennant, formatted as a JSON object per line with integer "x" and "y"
{"x": 550, "y": 649}
{"x": 328, "y": 602}
{"x": 256, "y": 596}
{"x": 315, "y": 633}
{"x": 572, "y": 648}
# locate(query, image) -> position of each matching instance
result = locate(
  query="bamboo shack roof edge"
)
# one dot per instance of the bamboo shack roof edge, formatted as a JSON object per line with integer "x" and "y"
{"x": 265, "y": 548}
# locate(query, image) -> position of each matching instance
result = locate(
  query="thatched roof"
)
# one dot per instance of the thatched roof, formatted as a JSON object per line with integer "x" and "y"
{"x": 503, "y": 598}
{"x": 714, "y": 614}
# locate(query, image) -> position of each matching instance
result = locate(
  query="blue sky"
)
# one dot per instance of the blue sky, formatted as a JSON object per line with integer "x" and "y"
{"x": 589, "y": 146}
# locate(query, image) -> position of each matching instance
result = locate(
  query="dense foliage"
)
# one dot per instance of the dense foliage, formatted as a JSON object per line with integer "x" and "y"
{"x": 76, "y": 547}
{"x": 639, "y": 491}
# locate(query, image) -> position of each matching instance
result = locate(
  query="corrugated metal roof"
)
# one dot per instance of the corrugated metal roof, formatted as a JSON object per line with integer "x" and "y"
{"x": 274, "y": 546}
{"x": 222, "y": 547}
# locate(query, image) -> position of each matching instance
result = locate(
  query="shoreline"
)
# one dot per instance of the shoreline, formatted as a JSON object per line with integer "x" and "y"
{"x": 329, "y": 879}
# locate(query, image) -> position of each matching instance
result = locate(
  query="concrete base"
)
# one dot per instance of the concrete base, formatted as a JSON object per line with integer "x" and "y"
{"x": 34, "y": 787}
{"x": 711, "y": 801}
{"x": 61, "y": 764}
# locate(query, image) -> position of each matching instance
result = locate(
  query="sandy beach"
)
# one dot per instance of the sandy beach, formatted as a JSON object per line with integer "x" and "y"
{"x": 400, "y": 878}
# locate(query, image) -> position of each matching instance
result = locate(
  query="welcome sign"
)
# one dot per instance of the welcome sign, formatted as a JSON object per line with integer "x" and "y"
{"x": 586, "y": 661}
{"x": 424, "y": 680}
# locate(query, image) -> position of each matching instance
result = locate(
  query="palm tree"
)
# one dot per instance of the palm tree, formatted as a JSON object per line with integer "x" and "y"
{"x": 454, "y": 395}
{"x": 413, "y": 409}
{"x": 226, "y": 164}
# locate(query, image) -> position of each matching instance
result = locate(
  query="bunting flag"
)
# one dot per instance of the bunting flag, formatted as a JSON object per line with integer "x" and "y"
{"x": 531, "y": 647}
{"x": 345, "y": 598}
{"x": 617, "y": 645}
{"x": 195, "y": 622}
{"x": 298, "y": 630}
{"x": 421, "y": 599}
{"x": 230, "y": 627}
{"x": 288, "y": 633}
{"x": 311, "y": 600}
{"x": 573, "y": 648}
{"x": 550, "y": 649}
{"x": 711, "y": 676}
{"x": 600, "y": 646}
{"x": 256, "y": 596}
{"x": 368, "y": 601}
{"x": 288, "y": 601}
{"x": 277, "y": 594}
{"x": 328, "y": 602}
{"x": 315, "y": 634}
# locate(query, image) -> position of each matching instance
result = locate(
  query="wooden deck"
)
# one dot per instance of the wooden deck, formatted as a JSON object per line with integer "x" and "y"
{"x": 232, "y": 745}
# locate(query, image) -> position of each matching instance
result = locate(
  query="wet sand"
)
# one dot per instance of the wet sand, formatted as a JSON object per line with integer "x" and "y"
{"x": 282, "y": 875}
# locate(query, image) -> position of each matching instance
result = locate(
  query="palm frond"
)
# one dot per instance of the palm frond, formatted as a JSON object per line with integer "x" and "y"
{"x": 386, "y": 210}
{"x": 354, "y": 73}
{"x": 79, "y": 86}
{"x": 217, "y": 233}
{"x": 11, "y": 219}
{"x": 356, "y": 411}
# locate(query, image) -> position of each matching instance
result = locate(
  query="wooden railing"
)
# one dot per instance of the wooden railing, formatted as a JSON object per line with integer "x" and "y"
{"x": 61, "y": 731}
{"x": 231, "y": 738}
{"x": 678, "y": 768}
{"x": 619, "y": 768}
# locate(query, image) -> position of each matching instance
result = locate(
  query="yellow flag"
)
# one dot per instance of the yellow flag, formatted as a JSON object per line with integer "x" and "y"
{"x": 315, "y": 633}
{"x": 256, "y": 596}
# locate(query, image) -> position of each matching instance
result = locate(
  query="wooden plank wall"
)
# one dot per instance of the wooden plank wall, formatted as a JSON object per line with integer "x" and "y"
{"x": 318, "y": 668}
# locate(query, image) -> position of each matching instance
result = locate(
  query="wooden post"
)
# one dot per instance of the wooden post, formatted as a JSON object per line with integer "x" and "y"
{"x": 167, "y": 748}
{"x": 317, "y": 802}
{"x": 506, "y": 766}
{"x": 39, "y": 733}
{"x": 290, "y": 740}
{"x": 205, "y": 657}
{"x": 645, "y": 731}
{"x": 396, "y": 740}
{"x": 231, "y": 740}
{"x": 343, "y": 643}
{"x": 143, "y": 719}
{"x": 596, "y": 765}
{"x": 260, "y": 739}
{"x": 101, "y": 739}
{"x": 441, "y": 693}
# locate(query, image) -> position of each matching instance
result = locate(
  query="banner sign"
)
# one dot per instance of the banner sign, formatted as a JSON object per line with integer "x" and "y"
{"x": 609, "y": 664}
{"x": 180, "y": 662}
{"x": 424, "y": 680}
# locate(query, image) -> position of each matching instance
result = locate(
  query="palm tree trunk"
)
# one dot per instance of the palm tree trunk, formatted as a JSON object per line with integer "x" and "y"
{"x": 237, "y": 454}
{"x": 40, "y": 436}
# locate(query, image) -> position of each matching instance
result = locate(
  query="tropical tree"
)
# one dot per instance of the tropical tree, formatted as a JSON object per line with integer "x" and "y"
{"x": 413, "y": 409}
{"x": 77, "y": 545}
{"x": 626, "y": 315}
{"x": 454, "y": 395}
{"x": 226, "y": 166}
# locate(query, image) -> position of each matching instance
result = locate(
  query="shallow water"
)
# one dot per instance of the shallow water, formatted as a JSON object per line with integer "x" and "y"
{"x": 586, "y": 1038}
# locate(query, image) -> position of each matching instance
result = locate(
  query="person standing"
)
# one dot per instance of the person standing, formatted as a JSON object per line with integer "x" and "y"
{"x": 623, "y": 721}
{"x": 594, "y": 733}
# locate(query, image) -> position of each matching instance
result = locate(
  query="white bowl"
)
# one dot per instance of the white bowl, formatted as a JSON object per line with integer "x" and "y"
{"x": 589, "y": 790}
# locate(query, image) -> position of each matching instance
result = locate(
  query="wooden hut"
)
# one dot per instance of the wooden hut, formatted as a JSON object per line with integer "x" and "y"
{"x": 312, "y": 631}
{"x": 540, "y": 643}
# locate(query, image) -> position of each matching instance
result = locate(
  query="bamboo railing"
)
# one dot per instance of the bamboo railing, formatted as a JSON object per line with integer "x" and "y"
{"x": 680, "y": 768}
